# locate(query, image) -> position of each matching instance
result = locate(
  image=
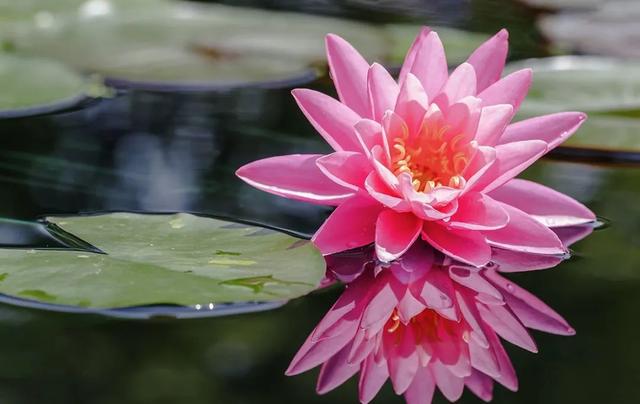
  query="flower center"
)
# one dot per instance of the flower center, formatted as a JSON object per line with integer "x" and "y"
{"x": 435, "y": 157}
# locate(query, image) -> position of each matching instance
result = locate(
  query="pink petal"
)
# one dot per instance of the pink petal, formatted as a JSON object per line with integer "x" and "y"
{"x": 409, "y": 307}
{"x": 508, "y": 376}
{"x": 467, "y": 246}
{"x": 511, "y": 160}
{"x": 383, "y": 91}
{"x": 336, "y": 371}
{"x": 295, "y": 176}
{"x": 514, "y": 261}
{"x": 493, "y": 122}
{"x": 370, "y": 134}
{"x": 402, "y": 358}
{"x": 362, "y": 347}
{"x": 348, "y": 169}
{"x": 549, "y": 207}
{"x": 429, "y": 64}
{"x": 412, "y": 53}
{"x": 533, "y": 312}
{"x": 381, "y": 192}
{"x": 525, "y": 234}
{"x": 450, "y": 385}
{"x": 372, "y": 379}
{"x": 510, "y": 90}
{"x": 380, "y": 307}
{"x": 552, "y": 129}
{"x": 421, "y": 204}
{"x": 463, "y": 116}
{"x": 436, "y": 291}
{"x": 489, "y": 59}
{"x": 481, "y": 163}
{"x": 481, "y": 385}
{"x": 461, "y": 83}
{"x": 412, "y": 103}
{"x": 351, "y": 225}
{"x": 422, "y": 388}
{"x": 483, "y": 359}
{"x": 473, "y": 280}
{"x": 332, "y": 119}
{"x": 477, "y": 211}
{"x": 503, "y": 322}
{"x": 349, "y": 72}
{"x": 395, "y": 232}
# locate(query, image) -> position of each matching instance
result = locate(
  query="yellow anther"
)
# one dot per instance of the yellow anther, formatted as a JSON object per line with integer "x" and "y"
{"x": 396, "y": 324}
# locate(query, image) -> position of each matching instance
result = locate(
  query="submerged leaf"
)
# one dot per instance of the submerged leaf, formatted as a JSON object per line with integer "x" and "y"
{"x": 149, "y": 260}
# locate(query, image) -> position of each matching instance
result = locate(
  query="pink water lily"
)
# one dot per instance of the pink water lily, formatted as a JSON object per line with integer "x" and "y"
{"x": 430, "y": 155}
{"x": 424, "y": 322}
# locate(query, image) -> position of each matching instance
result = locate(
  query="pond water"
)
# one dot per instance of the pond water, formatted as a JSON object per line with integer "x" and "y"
{"x": 157, "y": 152}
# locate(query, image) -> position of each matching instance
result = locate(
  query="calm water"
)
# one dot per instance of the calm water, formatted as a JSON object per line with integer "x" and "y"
{"x": 177, "y": 152}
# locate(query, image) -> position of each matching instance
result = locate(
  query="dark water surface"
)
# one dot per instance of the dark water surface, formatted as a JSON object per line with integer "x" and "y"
{"x": 156, "y": 152}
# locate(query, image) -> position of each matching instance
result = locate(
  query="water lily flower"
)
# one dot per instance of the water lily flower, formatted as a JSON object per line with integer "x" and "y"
{"x": 430, "y": 155}
{"x": 425, "y": 322}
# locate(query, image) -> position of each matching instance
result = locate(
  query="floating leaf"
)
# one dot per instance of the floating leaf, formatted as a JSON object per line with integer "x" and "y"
{"x": 608, "y": 89}
{"x": 174, "y": 44}
{"x": 32, "y": 86}
{"x": 582, "y": 83}
{"x": 163, "y": 259}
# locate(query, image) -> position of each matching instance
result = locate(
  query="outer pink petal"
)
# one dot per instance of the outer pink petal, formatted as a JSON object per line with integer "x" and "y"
{"x": 422, "y": 388}
{"x": 553, "y": 129}
{"x": 410, "y": 58}
{"x": 402, "y": 359}
{"x": 481, "y": 385}
{"x": 477, "y": 211}
{"x": 383, "y": 91}
{"x": 332, "y": 119}
{"x": 429, "y": 64}
{"x": 372, "y": 378}
{"x": 348, "y": 169}
{"x": 508, "y": 376}
{"x": 489, "y": 59}
{"x": 349, "y": 72}
{"x": 525, "y": 234}
{"x": 451, "y": 386}
{"x": 530, "y": 310}
{"x": 493, "y": 122}
{"x": 511, "y": 160}
{"x": 351, "y": 225}
{"x": 549, "y": 207}
{"x": 514, "y": 261}
{"x": 466, "y": 246}
{"x": 294, "y": 176}
{"x": 473, "y": 280}
{"x": 336, "y": 371}
{"x": 395, "y": 232}
{"x": 505, "y": 324}
{"x": 510, "y": 90}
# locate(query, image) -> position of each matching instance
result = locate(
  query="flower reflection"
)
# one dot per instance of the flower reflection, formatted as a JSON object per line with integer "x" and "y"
{"x": 430, "y": 155}
{"x": 426, "y": 322}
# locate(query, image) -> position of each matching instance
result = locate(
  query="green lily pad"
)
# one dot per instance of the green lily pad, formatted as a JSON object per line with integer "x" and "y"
{"x": 458, "y": 44}
{"x": 182, "y": 44}
{"x": 608, "y": 134}
{"x": 33, "y": 85}
{"x": 581, "y": 83}
{"x": 178, "y": 259}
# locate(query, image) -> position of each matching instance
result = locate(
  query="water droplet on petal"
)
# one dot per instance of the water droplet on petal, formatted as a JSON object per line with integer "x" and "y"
{"x": 510, "y": 287}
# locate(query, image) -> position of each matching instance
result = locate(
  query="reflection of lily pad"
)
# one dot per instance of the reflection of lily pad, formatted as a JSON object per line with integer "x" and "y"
{"x": 31, "y": 86}
{"x": 581, "y": 83}
{"x": 163, "y": 259}
{"x": 178, "y": 44}
{"x": 458, "y": 43}
{"x": 563, "y": 4}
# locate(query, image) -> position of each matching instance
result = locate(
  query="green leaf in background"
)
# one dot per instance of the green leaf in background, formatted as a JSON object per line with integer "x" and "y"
{"x": 582, "y": 83}
{"x": 607, "y": 89}
{"x": 563, "y": 4}
{"x": 178, "y": 43}
{"x": 33, "y": 85}
{"x": 458, "y": 43}
{"x": 177, "y": 259}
